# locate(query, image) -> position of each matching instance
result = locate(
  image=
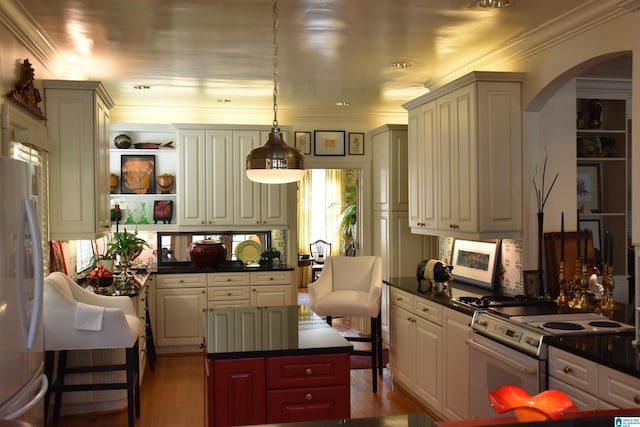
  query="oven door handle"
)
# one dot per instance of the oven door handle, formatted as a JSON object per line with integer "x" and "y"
{"x": 528, "y": 370}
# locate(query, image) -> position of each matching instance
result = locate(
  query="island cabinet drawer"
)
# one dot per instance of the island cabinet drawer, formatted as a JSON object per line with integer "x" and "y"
{"x": 307, "y": 371}
{"x": 271, "y": 278}
{"x": 308, "y": 404}
{"x": 221, "y": 279}
{"x": 228, "y": 293}
{"x": 618, "y": 388}
{"x": 401, "y": 299}
{"x": 573, "y": 370}
{"x": 428, "y": 310}
{"x": 164, "y": 281}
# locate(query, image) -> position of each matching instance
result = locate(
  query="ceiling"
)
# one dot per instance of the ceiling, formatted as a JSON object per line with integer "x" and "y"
{"x": 218, "y": 54}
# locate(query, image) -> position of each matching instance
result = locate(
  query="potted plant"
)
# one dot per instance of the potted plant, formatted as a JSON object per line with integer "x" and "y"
{"x": 166, "y": 182}
{"x": 127, "y": 246}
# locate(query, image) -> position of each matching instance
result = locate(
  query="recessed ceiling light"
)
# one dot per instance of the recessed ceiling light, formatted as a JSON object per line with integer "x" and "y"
{"x": 493, "y": 4}
{"x": 401, "y": 65}
{"x": 142, "y": 87}
{"x": 343, "y": 103}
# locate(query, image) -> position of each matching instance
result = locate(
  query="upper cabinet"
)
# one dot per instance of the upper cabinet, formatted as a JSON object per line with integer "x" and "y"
{"x": 465, "y": 156}
{"x": 144, "y": 175}
{"x": 77, "y": 126}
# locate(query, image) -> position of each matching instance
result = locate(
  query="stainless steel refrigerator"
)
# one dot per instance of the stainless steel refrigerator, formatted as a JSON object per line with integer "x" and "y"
{"x": 22, "y": 380}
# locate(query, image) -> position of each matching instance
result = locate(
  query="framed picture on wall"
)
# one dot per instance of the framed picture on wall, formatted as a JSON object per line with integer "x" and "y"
{"x": 329, "y": 143}
{"x": 475, "y": 262}
{"x": 303, "y": 142}
{"x": 356, "y": 143}
{"x": 138, "y": 174}
{"x": 588, "y": 188}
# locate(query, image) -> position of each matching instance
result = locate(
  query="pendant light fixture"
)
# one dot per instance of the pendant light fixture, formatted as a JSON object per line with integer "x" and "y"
{"x": 275, "y": 162}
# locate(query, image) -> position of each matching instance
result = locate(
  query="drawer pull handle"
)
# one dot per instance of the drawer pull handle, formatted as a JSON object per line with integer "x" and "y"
{"x": 636, "y": 398}
{"x": 228, "y": 294}
{"x": 308, "y": 371}
{"x": 425, "y": 310}
{"x": 308, "y": 397}
{"x": 180, "y": 281}
{"x": 566, "y": 370}
{"x": 228, "y": 279}
{"x": 201, "y": 345}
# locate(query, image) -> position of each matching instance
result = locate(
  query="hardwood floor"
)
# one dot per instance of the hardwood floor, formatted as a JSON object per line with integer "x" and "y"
{"x": 173, "y": 396}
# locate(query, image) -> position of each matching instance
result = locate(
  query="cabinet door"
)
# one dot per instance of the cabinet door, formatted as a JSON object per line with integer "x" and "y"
{"x": 455, "y": 403}
{"x": 219, "y": 177}
{"x": 103, "y": 188}
{"x": 246, "y": 209}
{"x": 427, "y": 354}
{"x": 273, "y": 206}
{"x": 239, "y": 392}
{"x": 402, "y": 353}
{"x": 192, "y": 178}
{"x": 179, "y": 316}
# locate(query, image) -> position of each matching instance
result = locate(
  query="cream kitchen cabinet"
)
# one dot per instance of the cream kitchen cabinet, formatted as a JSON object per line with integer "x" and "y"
{"x": 255, "y": 204}
{"x": 455, "y": 398}
{"x": 228, "y": 290}
{"x": 273, "y": 288}
{"x": 180, "y": 300}
{"x": 390, "y": 159}
{"x": 77, "y": 127}
{"x": 416, "y": 347}
{"x": 589, "y": 385}
{"x": 205, "y": 180}
{"x": 469, "y": 133}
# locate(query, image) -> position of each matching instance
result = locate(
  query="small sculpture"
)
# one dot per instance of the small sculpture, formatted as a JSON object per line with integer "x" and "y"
{"x": 25, "y": 93}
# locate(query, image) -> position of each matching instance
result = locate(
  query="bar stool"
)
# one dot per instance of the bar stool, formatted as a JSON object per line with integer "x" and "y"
{"x": 75, "y": 319}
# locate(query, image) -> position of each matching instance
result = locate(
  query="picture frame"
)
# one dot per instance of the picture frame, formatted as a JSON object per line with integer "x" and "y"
{"x": 356, "y": 143}
{"x": 138, "y": 174}
{"x": 588, "y": 188}
{"x": 530, "y": 282}
{"x": 475, "y": 262}
{"x": 593, "y": 225}
{"x": 303, "y": 142}
{"x": 162, "y": 211}
{"x": 329, "y": 143}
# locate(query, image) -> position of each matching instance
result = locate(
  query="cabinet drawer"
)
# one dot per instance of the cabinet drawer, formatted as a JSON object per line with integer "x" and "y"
{"x": 308, "y": 404}
{"x": 228, "y": 293}
{"x": 271, "y": 278}
{"x": 180, "y": 280}
{"x": 222, "y": 279}
{"x": 401, "y": 299}
{"x": 307, "y": 371}
{"x": 617, "y": 388}
{"x": 573, "y": 370}
{"x": 428, "y": 310}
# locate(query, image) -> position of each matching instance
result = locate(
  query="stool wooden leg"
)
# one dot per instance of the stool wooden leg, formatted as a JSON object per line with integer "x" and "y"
{"x": 151, "y": 346}
{"x": 379, "y": 343}
{"x": 62, "y": 368}
{"x": 49, "y": 361}
{"x": 374, "y": 354}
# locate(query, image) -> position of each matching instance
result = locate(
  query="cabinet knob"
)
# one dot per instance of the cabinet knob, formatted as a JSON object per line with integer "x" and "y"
{"x": 308, "y": 397}
{"x": 425, "y": 310}
{"x": 228, "y": 279}
{"x": 636, "y": 398}
{"x": 454, "y": 226}
{"x": 566, "y": 370}
{"x": 203, "y": 222}
{"x": 201, "y": 345}
{"x": 228, "y": 294}
{"x": 180, "y": 281}
{"x": 203, "y": 291}
{"x": 308, "y": 371}
{"x": 271, "y": 278}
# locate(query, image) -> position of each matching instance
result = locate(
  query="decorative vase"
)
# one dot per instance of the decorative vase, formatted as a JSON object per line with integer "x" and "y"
{"x": 207, "y": 253}
{"x": 114, "y": 183}
{"x": 541, "y": 292}
{"x": 594, "y": 108}
{"x": 166, "y": 183}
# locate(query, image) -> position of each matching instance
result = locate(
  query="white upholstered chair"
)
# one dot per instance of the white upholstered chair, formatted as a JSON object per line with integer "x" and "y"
{"x": 352, "y": 286}
{"x": 75, "y": 319}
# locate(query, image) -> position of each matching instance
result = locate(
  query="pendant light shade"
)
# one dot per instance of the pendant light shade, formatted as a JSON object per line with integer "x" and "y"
{"x": 275, "y": 162}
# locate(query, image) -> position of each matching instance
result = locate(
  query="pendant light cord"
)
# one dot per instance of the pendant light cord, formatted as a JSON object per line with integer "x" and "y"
{"x": 275, "y": 64}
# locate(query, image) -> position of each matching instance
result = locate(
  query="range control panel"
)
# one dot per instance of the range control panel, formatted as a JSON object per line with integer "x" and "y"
{"x": 524, "y": 338}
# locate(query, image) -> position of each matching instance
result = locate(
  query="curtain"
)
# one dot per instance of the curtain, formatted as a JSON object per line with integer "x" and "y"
{"x": 334, "y": 196}
{"x": 304, "y": 212}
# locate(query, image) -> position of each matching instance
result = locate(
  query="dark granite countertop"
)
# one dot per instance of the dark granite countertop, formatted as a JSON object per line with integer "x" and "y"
{"x": 614, "y": 351}
{"x": 225, "y": 267}
{"x": 238, "y": 332}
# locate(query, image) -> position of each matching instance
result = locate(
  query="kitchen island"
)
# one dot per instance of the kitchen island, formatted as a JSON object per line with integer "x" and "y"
{"x": 273, "y": 365}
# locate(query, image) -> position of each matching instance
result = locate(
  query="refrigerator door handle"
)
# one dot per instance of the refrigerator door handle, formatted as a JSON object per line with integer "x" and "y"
{"x": 30, "y": 319}
{"x": 39, "y": 383}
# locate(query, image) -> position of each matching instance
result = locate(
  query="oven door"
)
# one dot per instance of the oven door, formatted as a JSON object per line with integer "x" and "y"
{"x": 493, "y": 365}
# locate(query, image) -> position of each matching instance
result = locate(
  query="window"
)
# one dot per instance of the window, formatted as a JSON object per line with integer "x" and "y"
{"x": 84, "y": 255}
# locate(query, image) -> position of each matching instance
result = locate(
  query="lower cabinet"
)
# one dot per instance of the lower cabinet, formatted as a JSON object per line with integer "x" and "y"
{"x": 278, "y": 389}
{"x": 591, "y": 386}
{"x": 429, "y": 354}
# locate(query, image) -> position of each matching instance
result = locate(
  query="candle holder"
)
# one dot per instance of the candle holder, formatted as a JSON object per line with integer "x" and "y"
{"x": 607, "y": 303}
{"x": 562, "y": 300}
{"x": 575, "y": 289}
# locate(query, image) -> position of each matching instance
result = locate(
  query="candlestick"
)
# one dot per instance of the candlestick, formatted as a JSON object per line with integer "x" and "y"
{"x": 610, "y": 250}
{"x": 578, "y": 233}
{"x": 586, "y": 239}
{"x": 605, "y": 249}
{"x": 562, "y": 237}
